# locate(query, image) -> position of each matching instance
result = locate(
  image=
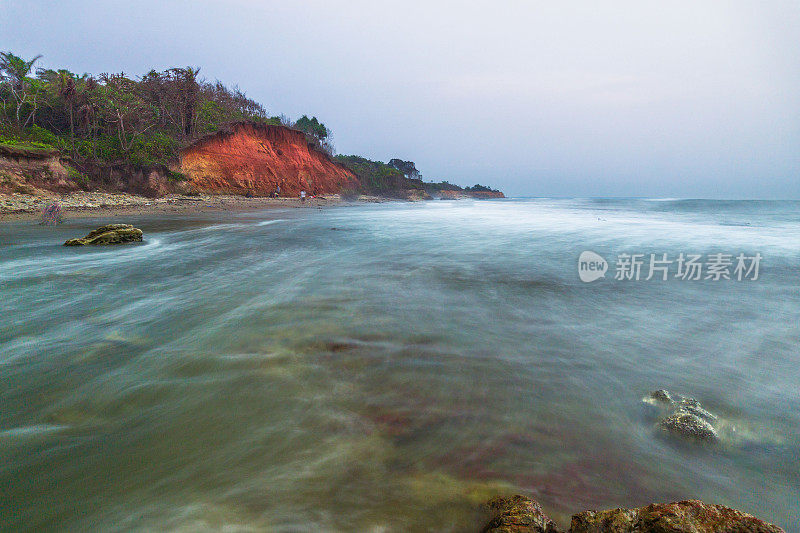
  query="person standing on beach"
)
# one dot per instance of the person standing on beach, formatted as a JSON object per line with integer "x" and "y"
{"x": 302, "y": 196}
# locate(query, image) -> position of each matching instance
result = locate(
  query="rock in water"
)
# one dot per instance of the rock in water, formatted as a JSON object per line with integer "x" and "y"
{"x": 688, "y": 424}
{"x": 661, "y": 396}
{"x": 517, "y": 514}
{"x": 691, "y": 516}
{"x": 684, "y": 417}
{"x": 693, "y": 406}
{"x": 110, "y": 234}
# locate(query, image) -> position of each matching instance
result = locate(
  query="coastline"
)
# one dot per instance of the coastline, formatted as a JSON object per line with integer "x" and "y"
{"x": 25, "y": 207}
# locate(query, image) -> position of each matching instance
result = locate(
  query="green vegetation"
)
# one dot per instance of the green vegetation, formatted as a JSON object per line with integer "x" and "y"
{"x": 432, "y": 187}
{"x": 377, "y": 177}
{"x": 480, "y": 188}
{"x": 115, "y": 118}
{"x": 312, "y": 126}
{"x": 176, "y": 176}
{"x": 77, "y": 176}
{"x": 112, "y": 119}
{"x": 408, "y": 168}
{"x": 397, "y": 178}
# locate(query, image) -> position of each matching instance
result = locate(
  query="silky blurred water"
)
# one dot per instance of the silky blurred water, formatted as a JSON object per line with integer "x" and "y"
{"x": 389, "y": 367}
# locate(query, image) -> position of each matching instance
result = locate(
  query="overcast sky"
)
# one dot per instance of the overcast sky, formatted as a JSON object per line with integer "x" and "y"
{"x": 620, "y": 98}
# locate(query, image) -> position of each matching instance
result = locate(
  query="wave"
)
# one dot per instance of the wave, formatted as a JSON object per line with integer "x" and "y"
{"x": 238, "y": 225}
{"x": 84, "y": 256}
{"x": 31, "y": 431}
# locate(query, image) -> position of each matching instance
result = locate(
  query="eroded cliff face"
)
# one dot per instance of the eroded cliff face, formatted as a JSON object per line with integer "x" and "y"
{"x": 258, "y": 158}
{"x": 33, "y": 171}
{"x": 43, "y": 171}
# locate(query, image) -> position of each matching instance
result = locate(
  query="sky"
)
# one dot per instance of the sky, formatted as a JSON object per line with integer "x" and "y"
{"x": 687, "y": 99}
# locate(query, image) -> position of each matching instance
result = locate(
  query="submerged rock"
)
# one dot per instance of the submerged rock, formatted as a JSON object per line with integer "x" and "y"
{"x": 517, "y": 514}
{"x": 693, "y": 406}
{"x": 662, "y": 396}
{"x": 109, "y": 234}
{"x": 683, "y": 416}
{"x": 687, "y": 424}
{"x": 691, "y": 516}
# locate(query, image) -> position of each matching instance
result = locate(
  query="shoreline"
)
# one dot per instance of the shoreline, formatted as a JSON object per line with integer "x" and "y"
{"x": 25, "y": 207}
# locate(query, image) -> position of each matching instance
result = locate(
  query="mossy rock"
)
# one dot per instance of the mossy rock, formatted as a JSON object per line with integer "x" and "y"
{"x": 110, "y": 234}
{"x": 690, "y": 425}
{"x": 517, "y": 514}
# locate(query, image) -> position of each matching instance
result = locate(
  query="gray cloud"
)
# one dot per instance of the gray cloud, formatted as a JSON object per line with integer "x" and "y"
{"x": 583, "y": 98}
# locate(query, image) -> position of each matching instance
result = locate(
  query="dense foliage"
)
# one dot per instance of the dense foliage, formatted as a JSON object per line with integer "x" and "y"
{"x": 480, "y": 188}
{"x": 145, "y": 120}
{"x": 113, "y": 118}
{"x": 389, "y": 179}
{"x": 377, "y": 177}
{"x": 442, "y": 186}
{"x": 408, "y": 168}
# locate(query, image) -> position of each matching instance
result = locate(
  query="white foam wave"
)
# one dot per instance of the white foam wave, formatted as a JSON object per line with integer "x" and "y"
{"x": 30, "y": 431}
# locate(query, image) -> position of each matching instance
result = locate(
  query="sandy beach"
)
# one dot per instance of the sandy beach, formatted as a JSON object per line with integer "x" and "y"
{"x": 16, "y": 207}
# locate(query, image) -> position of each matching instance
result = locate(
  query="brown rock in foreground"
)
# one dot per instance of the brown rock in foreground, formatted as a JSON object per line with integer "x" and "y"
{"x": 110, "y": 234}
{"x": 687, "y": 516}
{"x": 523, "y": 515}
{"x": 517, "y": 514}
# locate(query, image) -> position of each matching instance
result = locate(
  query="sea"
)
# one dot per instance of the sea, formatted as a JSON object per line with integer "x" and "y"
{"x": 390, "y": 367}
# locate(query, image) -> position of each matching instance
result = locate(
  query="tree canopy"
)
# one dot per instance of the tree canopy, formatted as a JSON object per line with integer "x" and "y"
{"x": 116, "y": 117}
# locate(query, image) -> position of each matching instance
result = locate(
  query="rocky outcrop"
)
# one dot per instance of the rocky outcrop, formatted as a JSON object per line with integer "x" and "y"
{"x": 460, "y": 195}
{"x": 689, "y": 425}
{"x": 110, "y": 234}
{"x": 683, "y": 416}
{"x": 691, "y": 516}
{"x": 523, "y": 515}
{"x": 517, "y": 514}
{"x": 257, "y": 159}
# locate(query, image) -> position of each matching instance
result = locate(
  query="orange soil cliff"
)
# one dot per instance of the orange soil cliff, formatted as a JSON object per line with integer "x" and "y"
{"x": 257, "y": 158}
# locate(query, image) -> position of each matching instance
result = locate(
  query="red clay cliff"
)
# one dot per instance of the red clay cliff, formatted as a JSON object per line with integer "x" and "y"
{"x": 257, "y": 158}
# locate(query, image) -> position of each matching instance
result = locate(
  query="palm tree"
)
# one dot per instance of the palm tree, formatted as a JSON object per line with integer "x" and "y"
{"x": 88, "y": 109}
{"x": 187, "y": 96}
{"x": 67, "y": 90}
{"x": 14, "y": 72}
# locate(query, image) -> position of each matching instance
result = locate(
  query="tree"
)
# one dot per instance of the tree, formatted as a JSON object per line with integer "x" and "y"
{"x": 66, "y": 87}
{"x": 123, "y": 106}
{"x": 408, "y": 168}
{"x": 313, "y": 127}
{"x": 14, "y": 73}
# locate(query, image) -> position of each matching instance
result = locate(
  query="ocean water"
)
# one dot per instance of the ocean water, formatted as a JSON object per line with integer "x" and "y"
{"x": 389, "y": 367}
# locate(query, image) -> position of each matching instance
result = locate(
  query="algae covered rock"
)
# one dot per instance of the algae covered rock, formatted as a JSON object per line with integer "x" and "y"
{"x": 683, "y": 416}
{"x": 691, "y": 516}
{"x": 517, "y": 514}
{"x": 686, "y": 424}
{"x": 661, "y": 396}
{"x": 109, "y": 234}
